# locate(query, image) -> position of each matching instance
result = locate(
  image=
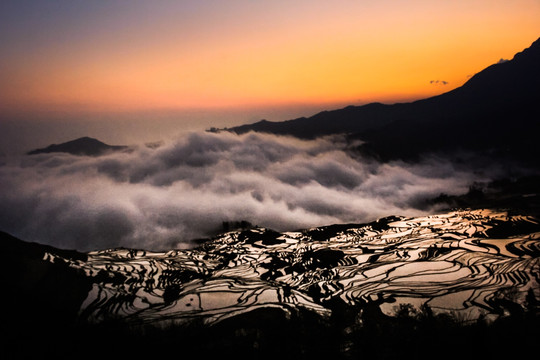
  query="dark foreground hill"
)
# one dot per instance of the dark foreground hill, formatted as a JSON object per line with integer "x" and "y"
{"x": 495, "y": 113}
{"x": 82, "y": 146}
{"x": 458, "y": 284}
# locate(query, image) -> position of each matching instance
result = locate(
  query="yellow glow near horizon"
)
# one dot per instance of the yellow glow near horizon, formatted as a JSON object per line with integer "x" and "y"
{"x": 256, "y": 55}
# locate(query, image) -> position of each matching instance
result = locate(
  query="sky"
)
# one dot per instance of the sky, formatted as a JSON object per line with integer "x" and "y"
{"x": 130, "y": 72}
{"x": 89, "y": 58}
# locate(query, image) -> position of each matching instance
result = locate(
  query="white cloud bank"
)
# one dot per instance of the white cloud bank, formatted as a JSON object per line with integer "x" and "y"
{"x": 166, "y": 197}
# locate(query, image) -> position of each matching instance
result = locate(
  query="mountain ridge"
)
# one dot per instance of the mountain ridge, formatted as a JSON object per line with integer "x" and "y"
{"x": 495, "y": 112}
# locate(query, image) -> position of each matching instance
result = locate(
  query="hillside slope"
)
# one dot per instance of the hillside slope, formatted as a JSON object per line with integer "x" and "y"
{"x": 340, "y": 290}
{"x": 495, "y": 113}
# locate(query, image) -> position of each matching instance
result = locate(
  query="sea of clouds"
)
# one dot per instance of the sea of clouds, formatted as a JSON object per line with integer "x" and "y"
{"x": 163, "y": 197}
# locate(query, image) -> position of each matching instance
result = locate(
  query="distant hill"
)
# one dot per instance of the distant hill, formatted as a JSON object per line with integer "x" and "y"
{"x": 496, "y": 112}
{"x": 82, "y": 146}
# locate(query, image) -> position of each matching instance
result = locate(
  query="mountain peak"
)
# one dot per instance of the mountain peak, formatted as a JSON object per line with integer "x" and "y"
{"x": 82, "y": 146}
{"x": 533, "y": 50}
{"x": 518, "y": 77}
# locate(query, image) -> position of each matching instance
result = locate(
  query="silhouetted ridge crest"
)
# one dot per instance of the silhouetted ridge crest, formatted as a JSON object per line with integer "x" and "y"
{"x": 495, "y": 113}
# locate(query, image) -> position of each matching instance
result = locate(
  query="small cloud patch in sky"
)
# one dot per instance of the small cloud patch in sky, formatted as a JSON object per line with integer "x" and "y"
{"x": 438, "y": 82}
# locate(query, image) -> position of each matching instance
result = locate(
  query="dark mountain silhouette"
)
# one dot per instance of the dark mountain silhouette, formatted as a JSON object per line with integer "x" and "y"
{"x": 496, "y": 113}
{"x": 82, "y": 146}
{"x": 40, "y": 298}
{"x": 351, "y": 119}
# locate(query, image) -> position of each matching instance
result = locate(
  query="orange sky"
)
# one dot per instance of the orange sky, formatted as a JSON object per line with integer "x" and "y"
{"x": 137, "y": 55}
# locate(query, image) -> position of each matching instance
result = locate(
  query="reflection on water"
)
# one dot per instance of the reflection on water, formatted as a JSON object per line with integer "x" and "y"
{"x": 467, "y": 263}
